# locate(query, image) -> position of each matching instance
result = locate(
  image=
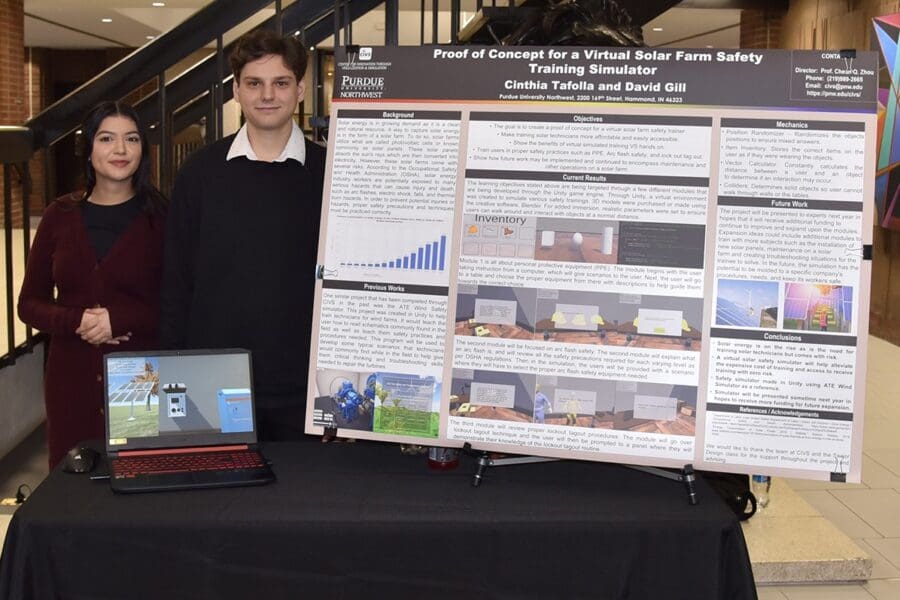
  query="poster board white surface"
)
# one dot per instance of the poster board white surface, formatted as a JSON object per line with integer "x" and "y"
{"x": 728, "y": 187}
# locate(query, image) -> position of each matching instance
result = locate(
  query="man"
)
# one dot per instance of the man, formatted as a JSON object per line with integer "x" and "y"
{"x": 541, "y": 405}
{"x": 242, "y": 236}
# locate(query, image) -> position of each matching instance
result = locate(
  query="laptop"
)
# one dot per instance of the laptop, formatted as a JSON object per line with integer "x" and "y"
{"x": 180, "y": 420}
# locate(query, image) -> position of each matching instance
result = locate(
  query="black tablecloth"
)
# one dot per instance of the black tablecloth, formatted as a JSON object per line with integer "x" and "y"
{"x": 364, "y": 521}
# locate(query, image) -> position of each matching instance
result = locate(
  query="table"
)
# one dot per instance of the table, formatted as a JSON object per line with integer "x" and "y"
{"x": 364, "y": 521}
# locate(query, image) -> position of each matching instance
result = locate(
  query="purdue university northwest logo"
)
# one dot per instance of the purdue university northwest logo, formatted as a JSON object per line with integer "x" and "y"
{"x": 361, "y": 86}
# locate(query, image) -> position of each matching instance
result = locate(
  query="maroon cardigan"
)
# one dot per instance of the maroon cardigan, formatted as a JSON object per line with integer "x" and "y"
{"x": 126, "y": 282}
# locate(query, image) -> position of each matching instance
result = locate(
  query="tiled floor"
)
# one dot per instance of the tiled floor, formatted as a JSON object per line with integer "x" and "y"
{"x": 868, "y": 513}
{"x": 25, "y": 466}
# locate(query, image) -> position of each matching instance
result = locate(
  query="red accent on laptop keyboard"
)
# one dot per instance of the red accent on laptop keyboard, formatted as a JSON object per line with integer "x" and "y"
{"x": 131, "y": 466}
{"x": 184, "y": 450}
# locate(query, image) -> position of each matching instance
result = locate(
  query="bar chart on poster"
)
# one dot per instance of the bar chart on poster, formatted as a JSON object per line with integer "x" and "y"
{"x": 430, "y": 256}
{"x": 647, "y": 257}
{"x": 399, "y": 250}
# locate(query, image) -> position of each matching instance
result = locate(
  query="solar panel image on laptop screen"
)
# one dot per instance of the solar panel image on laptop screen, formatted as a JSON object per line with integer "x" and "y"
{"x": 180, "y": 398}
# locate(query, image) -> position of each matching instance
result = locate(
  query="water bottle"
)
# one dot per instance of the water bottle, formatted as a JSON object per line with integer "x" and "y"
{"x": 759, "y": 485}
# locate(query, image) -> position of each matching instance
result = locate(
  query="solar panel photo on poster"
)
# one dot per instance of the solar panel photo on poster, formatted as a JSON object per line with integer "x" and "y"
{"x": 796, "y": 308}
{"x": 847, "y": 302}
{"x": 798, "y": 290}
{"x": 729, "y": 313}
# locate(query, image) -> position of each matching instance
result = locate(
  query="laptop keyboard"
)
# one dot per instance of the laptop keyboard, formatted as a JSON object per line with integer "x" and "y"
{"x": 131, "y": 466}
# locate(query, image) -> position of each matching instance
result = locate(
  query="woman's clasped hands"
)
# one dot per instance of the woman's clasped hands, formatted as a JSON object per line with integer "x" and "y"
{"x": 96, "y": 329}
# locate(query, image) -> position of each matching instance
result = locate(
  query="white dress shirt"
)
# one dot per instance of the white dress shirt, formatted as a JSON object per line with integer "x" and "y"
{"x": 295, "y": 147}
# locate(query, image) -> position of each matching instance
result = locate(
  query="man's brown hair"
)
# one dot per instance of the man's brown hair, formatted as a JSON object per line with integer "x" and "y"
{"x": 263, "y": 42}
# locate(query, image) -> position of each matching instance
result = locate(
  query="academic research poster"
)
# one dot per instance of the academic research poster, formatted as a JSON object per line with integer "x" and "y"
{"x": 647, "y": 256}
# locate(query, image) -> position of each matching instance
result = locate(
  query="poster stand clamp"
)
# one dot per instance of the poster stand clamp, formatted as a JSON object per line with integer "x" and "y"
{"x": 483, "y": 460}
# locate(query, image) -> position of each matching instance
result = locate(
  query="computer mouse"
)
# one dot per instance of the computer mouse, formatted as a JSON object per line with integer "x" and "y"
{"x": 80, "y": 459}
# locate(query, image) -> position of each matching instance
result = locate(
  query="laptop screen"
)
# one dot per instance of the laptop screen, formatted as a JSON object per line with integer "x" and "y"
{"x": 178, "y": 399}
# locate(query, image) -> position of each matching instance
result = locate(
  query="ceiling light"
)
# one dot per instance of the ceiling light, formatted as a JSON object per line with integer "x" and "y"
{"x": 159, "y": 4}
{"x": 106, "y": 20}
{"x": 151, "y": 37}
{"x": 657, "y": 29}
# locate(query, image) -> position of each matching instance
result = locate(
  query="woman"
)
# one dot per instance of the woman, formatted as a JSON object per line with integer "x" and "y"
{"x": 93, "y": 274}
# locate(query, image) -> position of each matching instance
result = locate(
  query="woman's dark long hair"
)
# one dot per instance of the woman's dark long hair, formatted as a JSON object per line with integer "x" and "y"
{"x": 149, "y": 197}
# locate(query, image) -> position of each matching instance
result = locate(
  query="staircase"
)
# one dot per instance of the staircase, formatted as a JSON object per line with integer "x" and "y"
{"x": 195, "y": 96}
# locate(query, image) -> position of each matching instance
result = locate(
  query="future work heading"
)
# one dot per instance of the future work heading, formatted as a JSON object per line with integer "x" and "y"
{"x": 598, "y": 54}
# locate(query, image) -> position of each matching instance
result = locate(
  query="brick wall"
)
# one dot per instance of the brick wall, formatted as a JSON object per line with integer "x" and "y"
{"x": 837, "y": 24}
{"x": 36, "y": 60}
{"x": 12, "y": 56}
{"x": 12, "y": 83}
{"x": 761, "y": 29}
